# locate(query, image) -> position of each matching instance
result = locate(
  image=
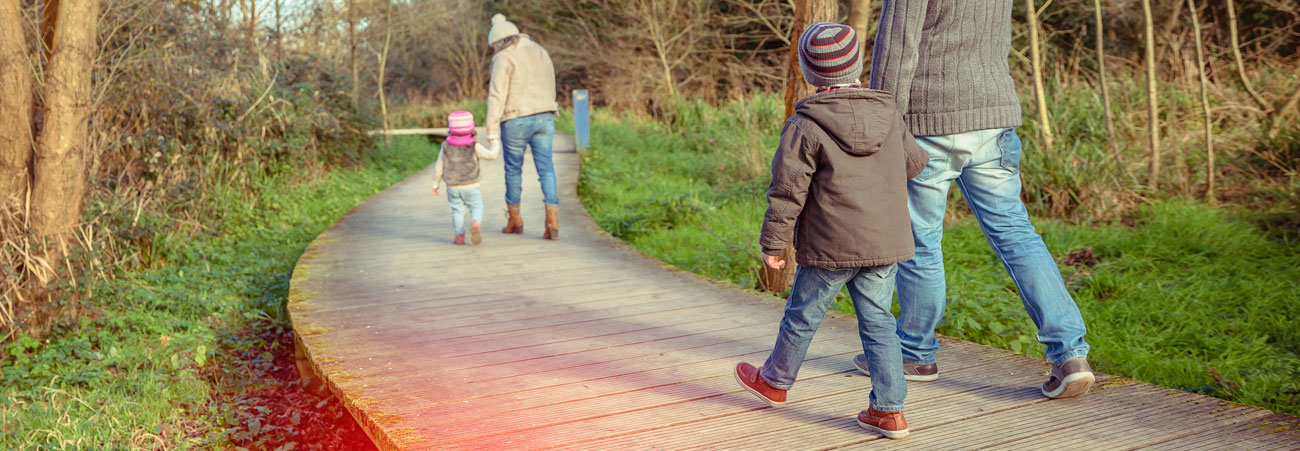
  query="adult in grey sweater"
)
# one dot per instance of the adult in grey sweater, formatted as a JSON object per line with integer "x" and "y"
{"x": 946, "y": 63}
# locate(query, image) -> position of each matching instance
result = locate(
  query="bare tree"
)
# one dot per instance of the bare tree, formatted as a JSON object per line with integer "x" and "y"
{"x": 1236, "y": 54}
{"x": 352, "y": 52}
{"x": 1105, "y": 86}
{"x": 383, "y": 63}
{"x": 806, "y": 12}
{"x": 1205, "y": 99}
{"x": 59, "y": 178}
{"x": 1035, "y": 55}
{"x": 279, "y": 51}
{"x": 1153, "y": 111}
{"x": 16, "y": 103}
{"x": 464, "y": 53}
{"x": 674, "y": 29}
{"x": 250, "y": 23}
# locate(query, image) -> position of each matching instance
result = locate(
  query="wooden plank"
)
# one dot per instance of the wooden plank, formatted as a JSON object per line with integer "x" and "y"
{"x": 967, "y": 375}
{"x": 710, "y": 398}
{"x": 387, "y": 336}
{"x": 532, "y": 388}
{"x": 534, "y": 391}
{"x": 390, "y": 367}
{"x": 1273, "y": 431}
{"x": 523, "y": 343}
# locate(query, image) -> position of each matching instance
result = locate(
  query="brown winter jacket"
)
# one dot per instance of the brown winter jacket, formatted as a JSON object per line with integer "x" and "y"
{"x": 839, "y": 182}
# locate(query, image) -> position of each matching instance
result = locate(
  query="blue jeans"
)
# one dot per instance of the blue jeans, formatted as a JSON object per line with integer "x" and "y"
{"x": 538, "y": 131}
{"x": 872, "y": 290}
{"x": 460, "y": 199}
{"x": 986, "y": 166}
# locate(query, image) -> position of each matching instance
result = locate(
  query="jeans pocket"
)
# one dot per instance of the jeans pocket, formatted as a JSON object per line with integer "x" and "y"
{"x": 884, "y": 271}
{"x": 834, "y": 276}
{"x": 1009, "y": 145}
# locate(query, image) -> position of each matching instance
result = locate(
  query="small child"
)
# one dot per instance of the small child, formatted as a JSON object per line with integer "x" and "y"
{"x": 839, "y": 185}
{"x": 458, "y": 165}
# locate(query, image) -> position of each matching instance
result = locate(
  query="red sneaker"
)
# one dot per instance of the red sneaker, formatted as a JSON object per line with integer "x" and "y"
{"x": 890, "y": 424}
{"x": 460, "y": 238}
{"x": 748, "y": 378}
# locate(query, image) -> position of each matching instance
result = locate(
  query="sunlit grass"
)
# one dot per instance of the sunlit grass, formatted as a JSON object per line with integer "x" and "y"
{"x": 144, "y": 368}
{"x": 1176, "y": 293}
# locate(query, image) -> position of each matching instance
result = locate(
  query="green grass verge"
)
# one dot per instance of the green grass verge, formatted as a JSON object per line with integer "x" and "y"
{"x": 182, "y": 354}
{"x": 1176, "y": 293}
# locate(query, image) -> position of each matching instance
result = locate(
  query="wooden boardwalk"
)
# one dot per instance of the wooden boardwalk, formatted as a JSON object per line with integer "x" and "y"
{"x": 521, "y": 343}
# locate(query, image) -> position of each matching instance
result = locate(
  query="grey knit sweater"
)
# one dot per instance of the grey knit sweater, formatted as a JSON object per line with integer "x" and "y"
{"x": 946, "y": 63}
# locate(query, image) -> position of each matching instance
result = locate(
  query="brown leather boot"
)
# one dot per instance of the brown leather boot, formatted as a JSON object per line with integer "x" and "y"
{"x": 514, "y": 224}
{"x": 552, "y": 222}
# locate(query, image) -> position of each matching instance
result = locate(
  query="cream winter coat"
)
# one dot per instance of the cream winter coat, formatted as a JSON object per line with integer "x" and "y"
{"x": 523, "y": 84}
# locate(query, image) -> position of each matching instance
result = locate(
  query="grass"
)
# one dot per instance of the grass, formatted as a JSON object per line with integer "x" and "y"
{"x": 195, "y": 350}
{"x": 1175, "y": 292}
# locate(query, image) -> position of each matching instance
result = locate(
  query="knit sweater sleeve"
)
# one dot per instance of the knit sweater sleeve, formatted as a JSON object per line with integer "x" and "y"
{"x": 437, "y": 167}
{"x": 895, "y": 55}
{"x": 486, "y": 152}
{"x": 498, "y": 90}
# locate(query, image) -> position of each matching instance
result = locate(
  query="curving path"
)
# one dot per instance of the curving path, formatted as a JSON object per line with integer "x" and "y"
{"x": 521, "y": 343}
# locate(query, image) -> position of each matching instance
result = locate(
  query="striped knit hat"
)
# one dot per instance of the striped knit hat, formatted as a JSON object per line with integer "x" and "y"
{"x": 829, "y": 54}
{"x": 460, "y": 124}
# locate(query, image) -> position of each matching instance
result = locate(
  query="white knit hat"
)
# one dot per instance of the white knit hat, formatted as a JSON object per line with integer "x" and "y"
{"x": 501, "y": 29}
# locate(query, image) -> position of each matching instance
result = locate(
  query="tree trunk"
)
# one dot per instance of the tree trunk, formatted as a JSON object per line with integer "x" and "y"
{"x": 383, "y": 63}
{"x": 1105, "y": 86}
{"x": 806, "y": 12}
{"x": 251, "y": 24}
{"x": 279, "y": 53}
{"x": 1205, "y": 100}
{"x": 59, "y": 177}
{"x": 352, "y": 53}
{"x": 860, "y": 18}
{"x": 16, "y": 103}
{"x": 1236, "y": 55}
{"x": 1036, "y": 60}
{"x": 1153, "y": 111}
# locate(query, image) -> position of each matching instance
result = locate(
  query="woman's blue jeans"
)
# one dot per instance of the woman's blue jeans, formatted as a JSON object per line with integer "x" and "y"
{"x": 537, "y": 131}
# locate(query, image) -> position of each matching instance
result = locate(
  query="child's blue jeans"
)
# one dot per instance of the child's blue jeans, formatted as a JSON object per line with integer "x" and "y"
{"x": 872, "y": 291}
{"x": 460, "y": 200}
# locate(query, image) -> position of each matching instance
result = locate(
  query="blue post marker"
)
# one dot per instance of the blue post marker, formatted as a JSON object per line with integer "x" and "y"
{"x": 581, "y": 122}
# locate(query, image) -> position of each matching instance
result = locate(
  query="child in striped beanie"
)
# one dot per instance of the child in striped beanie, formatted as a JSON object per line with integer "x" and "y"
{"x": 839, "y": 196}
{"x": 458, "y": 166}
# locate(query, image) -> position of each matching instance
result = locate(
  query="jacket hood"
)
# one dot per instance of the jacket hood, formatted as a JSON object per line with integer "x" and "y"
{"x": 858, "y": 120}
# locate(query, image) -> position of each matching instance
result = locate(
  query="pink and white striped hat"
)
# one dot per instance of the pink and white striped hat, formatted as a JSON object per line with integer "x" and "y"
{"x": 460, "y": 123}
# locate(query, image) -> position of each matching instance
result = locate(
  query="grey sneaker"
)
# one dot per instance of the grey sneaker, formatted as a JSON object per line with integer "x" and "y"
{"x": 911, "y": 371}
{"x": 1070, "y": 379}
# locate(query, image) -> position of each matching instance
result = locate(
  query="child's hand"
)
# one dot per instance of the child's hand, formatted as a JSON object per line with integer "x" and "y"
{"x": 774, "y": 262}
{"x": 435, "y": 191}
